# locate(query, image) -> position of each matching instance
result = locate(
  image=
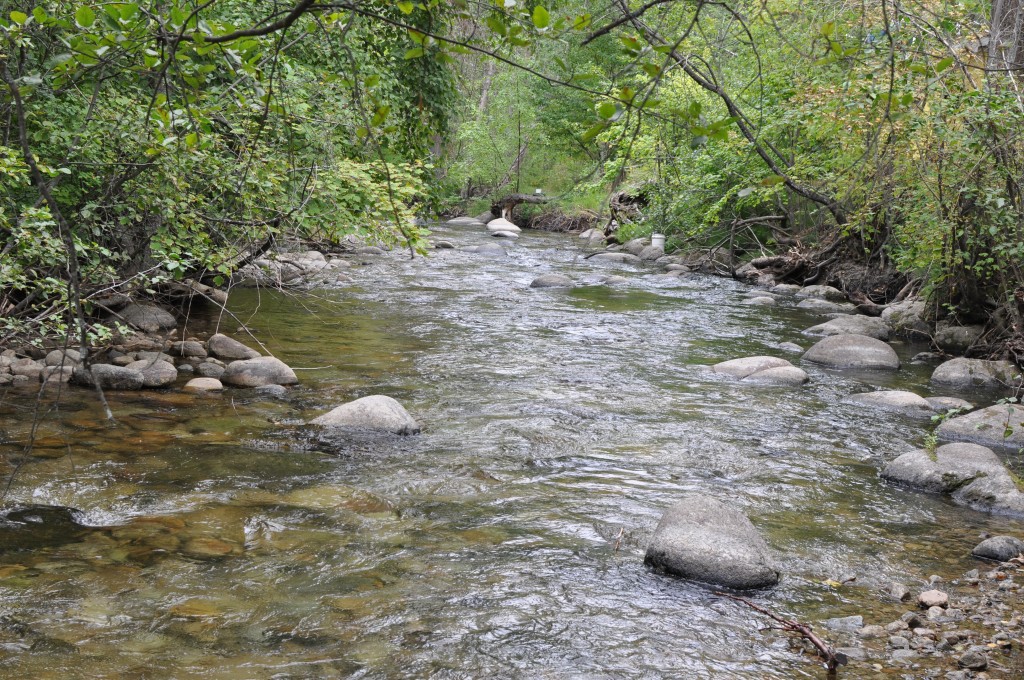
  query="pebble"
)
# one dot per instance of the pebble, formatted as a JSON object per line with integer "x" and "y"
{"x": 933, "y": 598}
{"x": 974, "y": 661}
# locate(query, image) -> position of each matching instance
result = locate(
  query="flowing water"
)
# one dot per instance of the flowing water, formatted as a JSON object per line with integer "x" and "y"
{"x": 216, "y": 537}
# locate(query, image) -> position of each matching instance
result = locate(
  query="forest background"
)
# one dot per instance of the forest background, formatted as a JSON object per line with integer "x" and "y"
{"x": 872, "y": 146}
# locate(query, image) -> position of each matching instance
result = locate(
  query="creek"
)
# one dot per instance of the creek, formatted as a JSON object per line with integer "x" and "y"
{"x": 215, "y": 536}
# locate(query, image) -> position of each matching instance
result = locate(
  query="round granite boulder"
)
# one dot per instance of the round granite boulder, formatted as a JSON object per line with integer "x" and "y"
{"x": 258, "y": 372}
{"x": 852, "y": 351}
{"x": 376, "y": 412}
{"x": 702, "y": 539}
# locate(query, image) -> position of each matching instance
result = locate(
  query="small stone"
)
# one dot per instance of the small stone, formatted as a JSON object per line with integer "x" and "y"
{"x": 69, "y": 357}
{"x": 552, "y": 281}
{"x": 848, "y": 624}
{"x": 871, "y": 632}
{"x": 974, "y": 661}
{"x": 188, "y": 348}
{"x": 898, "y": 592}
{"x": 277, "y": 391}
{"x": 899, "y": 642}
{"x": 258, "y": 372}
{"x": 933, "y": 598}
{"x": 223, "y": 347}
{"x": 896, "y": 626}
{"x": 934, "y": 613}
{"x": 155, "y": 373}
{"x": 209, "y": 369}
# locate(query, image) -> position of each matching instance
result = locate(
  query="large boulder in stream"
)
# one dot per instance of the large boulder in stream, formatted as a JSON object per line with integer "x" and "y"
{"x": 962, "y": 373}
{"x": 223, "y": 347}
{"x": 853, "y": 324}
{"x": 899, "y": 401}
{"x": 702, "y": 539}
{"x": 822, "y": 307}
{"x": 853, "y": 351}
{"x": 376, "y": 412}
{"x": 501, "y": 224}
{"x": 973, "y": 475}
{"x": 907, "y": 318}
{"x": 109, "y": 377}
{"x": 464, "y": 222}
{"x": 999, "y": 426}
{"x": 763, "y": 370}
{"x": 155, "y": 373}
{"x": 999, "y": 548}
{"x": 258, "y": 372}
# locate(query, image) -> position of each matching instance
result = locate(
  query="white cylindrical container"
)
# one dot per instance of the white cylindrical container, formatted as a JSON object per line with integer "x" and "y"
{"x": 658, "y": 241}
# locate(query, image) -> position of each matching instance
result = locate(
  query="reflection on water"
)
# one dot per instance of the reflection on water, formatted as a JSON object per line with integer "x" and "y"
{"x": 216, "y": 537}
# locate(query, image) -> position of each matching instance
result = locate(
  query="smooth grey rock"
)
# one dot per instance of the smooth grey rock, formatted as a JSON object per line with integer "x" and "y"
{"x": 186, "y": 369}
{"x": 741, "y": 368}
{"x": 956, "y": 339}
{"x": 871, "y": 326}
{"x": 846, "y": 624}
{"x": 465, "y": 222}
{"x": 898, "y": 592}
{"x": 487, "y": 250}
{"x": 258, "y": 372}
{"x": 853, "y": 351}
{"x": 501, "y": 224}
{"x": 152, "y": 356}
{"x": 973, "y": 660}
{"x": 785, "y": 289}
{"x": 223, "y": 347}
{"x": 485, "y": 217}
{"x": 552, "y": 281}
{"x": 933, "y": 598}
{"x": 819, "y": 306}
{"x": 589, "y": 233}
{"x": 444, "y": 245}
{"x": 505, "y": 234}
{"x": 53, "y": 375}
{"x": 999, "y": 426}
{"x": 635, "y": 247}
{"x": 791, "y": 347}
{"x": 148, "y": 318}
{"x": 109, "y": 377}
{"x": 371, "y": 250}
{"x": 853, "y": 653}
{"x": 376, "y": 412}
{"x": 188, "y": 348}
{"x": 155, "y": 373}
{"x": 907, "y": 318}
{"x": 65, "y": 357}
{"x": 895, "y": 400}
{"x": 277, "y": 391}
{"x": 943, "y": 404}
{"x": 29, "y": 368}
{"x": 822, "y": 293}
{"x": 972, "y": 474}
{"x": 871, "y": 632}
{"x": 622, "y": 258}
{"x": 761, "y": 300}
{"x": 702, "y": 539}
{"x": 651, "y": 253}
{"x": 1000, "y": 548}
{"x": 964, "y": 373}
{"x": 613, "y": 280}
{"x": 783, "y": 376}
{"x": 210, "y": 370}
{"x": 203, "y": 385}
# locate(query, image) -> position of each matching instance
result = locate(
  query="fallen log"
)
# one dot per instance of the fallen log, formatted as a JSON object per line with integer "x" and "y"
{"x": 505, "y": 206}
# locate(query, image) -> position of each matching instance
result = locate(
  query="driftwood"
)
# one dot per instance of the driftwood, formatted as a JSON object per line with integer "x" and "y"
{"x": 505, "y": 206}
{"x": 833, "y": 659}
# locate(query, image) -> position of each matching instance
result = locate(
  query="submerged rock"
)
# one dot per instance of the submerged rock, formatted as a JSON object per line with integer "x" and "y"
{"x": 964, "y": 373}
{"x": 623, "y": 258}
{"x": 871, "y": 326}
{"x": 999, "y": 548}
{"x": 223, "y": 347}
{"x": 1000, "y": 426}
{"x": 258, "y": 372}
{"x": 376, "y": 412}
{"x": 762, "y": 300}
{"x": 702, "y": 539}
{"x": 973, "y": 475}
{"x": 552, "y": 281}
{"x": 853, "y": 351}
{"x": 487, "y": 250}
{"x": 895, "y": 400}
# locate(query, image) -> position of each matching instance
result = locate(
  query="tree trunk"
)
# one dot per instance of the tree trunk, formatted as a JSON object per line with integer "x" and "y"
{"x": 1006, "y": 38}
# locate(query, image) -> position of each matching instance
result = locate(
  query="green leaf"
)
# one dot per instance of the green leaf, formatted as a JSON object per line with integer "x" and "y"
{"x": 607, "y": 110}
{"x": 943, "y": 64}
{"x": 19, "y": 17}
{"x": 84, "y": 16}
{"x": 772, "y": 180}
{"x": 582, "y": 22}
{"x": 40, "y": 15}
{"x": 541, "y": 17}
{"x": 632, "y": 44}
{"x": 828, "y": 29}
{"x": 414, "y": 53}
{"x": 594, "y": 131}
{"x": 653, "y": 70}
{"x": 406, "y": 7}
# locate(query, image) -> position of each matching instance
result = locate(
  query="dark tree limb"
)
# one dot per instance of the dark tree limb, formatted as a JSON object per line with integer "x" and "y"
{"x": 505, "y": 206}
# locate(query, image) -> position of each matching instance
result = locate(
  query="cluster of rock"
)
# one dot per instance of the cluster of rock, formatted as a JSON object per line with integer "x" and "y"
{"x": 307, "y": 268}
{"x": 969, "y": 624}
{"x": 218, "y": 361}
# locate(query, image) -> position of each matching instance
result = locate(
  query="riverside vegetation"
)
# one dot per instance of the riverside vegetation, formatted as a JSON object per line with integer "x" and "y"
{"x": 860, "y": 164}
